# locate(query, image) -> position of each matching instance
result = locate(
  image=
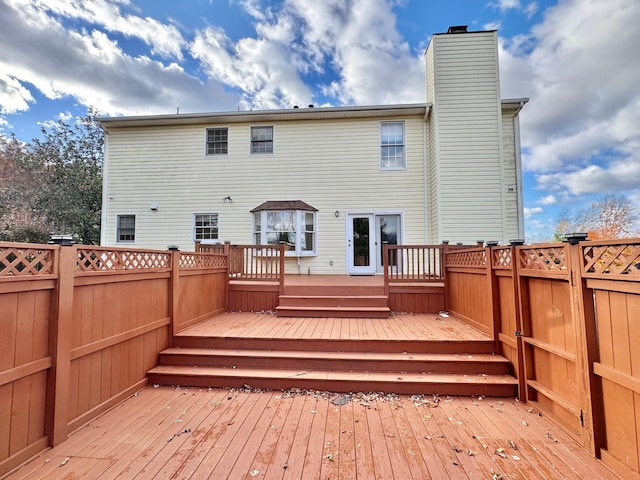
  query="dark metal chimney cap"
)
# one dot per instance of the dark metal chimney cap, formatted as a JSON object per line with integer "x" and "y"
{"x": 457, "y": 29}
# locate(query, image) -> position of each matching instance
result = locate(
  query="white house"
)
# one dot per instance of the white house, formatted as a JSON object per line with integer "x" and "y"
{"x": 334, "y": 183}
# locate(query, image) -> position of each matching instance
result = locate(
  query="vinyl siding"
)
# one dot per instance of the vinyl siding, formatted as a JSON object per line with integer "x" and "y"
{"x": 468, "y": 124}
{"x": 331, "y": 165}
{"x": 510, "y": 175}
{"x": 432, "y": 158}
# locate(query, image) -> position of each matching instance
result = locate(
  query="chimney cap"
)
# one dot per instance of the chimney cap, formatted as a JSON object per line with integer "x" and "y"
{"x": 457, "y": 29}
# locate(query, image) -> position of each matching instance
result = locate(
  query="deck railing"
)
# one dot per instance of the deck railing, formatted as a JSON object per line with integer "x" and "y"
{"x": 413, "y": 263}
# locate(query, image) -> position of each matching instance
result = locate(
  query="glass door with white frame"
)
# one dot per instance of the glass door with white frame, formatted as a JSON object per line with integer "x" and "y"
{"x": 361, "y": 244}
{"x": 387, "y": 233}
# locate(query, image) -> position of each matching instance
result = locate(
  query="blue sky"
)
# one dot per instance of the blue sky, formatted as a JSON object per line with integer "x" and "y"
{"x": 577, "y": 61}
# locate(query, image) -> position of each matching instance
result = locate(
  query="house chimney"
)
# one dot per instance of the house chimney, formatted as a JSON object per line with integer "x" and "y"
{"x": 457, "y": 29}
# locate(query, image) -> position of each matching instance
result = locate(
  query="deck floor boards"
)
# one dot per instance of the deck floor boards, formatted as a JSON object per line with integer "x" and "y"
{"x": 396, "y": 327}
{"x": 194, "y": 433}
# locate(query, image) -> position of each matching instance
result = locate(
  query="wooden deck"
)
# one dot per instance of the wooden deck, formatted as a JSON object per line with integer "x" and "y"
{"x": 410, "y": 327}
{"x": 198, "y": 433}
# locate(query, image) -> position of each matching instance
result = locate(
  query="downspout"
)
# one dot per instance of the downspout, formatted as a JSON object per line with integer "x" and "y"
{"x": 105, "y": 188}
{"x": 520, "y": 197}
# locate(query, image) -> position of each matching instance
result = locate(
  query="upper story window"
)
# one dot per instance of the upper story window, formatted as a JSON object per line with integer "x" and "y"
{"x": 291, "y": 223}
{"x": 392, "y": 155}
{"x": 205, "y": 227}
{"x": 126, "y": 228}
{"x": 217, "y": 141}
{"x": 261, "y": 139}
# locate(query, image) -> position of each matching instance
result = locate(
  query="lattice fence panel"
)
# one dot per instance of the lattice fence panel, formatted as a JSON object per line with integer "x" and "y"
{"x": 98, "y": 260}
{"x": 17, "y": 261}
{"x": 501, "y": 258}
{"x": 543, "y": 258}
{"x": 467, "y": 258}
{"x": 202, "y": 260}
{"x": 612, "y": 259}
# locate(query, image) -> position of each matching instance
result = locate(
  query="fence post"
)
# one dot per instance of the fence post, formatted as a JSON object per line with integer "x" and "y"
{"x": 57, "y": 410}
{"x": 174, "y": 296}
{"x": 583, "y": 312}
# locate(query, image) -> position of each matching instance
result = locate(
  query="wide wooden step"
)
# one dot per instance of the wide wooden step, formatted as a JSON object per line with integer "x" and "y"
{"x": 313, "y": 310}
{"x": 362, "y": 361}
{"x": 334, "y": 344}
{"x": 336, "y": 289}
{"x": 335, "y": 381}
{"x": 334, "y": 300}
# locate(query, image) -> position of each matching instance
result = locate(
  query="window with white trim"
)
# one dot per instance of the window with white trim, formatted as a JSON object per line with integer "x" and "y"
{"x": 261, "y": 139}
{"x": 205, "y": 227}
{"x": 296, "y": 229}
{"x": 392, "y": 155}
{"x": 126, "y": 229}
{"x": 217, "y": 141}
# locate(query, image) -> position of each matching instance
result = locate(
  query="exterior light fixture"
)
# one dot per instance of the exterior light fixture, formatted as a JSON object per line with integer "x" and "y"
{"x": 154, "y": 207}
{"x": 228, "y": 199}
{"x": 337, "y": 213}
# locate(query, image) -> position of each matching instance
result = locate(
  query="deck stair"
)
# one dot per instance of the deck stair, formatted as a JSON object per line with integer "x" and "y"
{"x": 403, "y": 367}
{"x": 355, "y": 301}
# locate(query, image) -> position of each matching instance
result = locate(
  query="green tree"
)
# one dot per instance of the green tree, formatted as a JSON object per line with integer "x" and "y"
{"x": 53, "y": 184}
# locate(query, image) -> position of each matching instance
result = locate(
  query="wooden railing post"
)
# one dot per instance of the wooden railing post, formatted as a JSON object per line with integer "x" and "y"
{"x": 57, "y": 409}
{"x": 444, "y": 250}
{"x": 385, "y": 268}
{"x": 583, "y": 312}
{"x": 174, "y": 296}
{"x": 227, "y": 252}
{"x": 281, "y": 277}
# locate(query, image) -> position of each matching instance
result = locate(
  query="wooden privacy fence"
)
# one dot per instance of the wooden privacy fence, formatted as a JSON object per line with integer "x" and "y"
{"x": 568, "y": 318}
{"x": 82, "y": 325}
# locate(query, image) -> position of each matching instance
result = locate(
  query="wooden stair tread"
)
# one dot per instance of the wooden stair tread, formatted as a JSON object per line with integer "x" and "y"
{"x": 409, "y": 357}
{"x": 393, "y": 377}
{"x": 334, "y": 307}
{"x": 365, "y": 297}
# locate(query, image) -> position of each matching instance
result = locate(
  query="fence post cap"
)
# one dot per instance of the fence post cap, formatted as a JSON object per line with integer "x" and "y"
{"x": 492, "y": 243}
{"x": 575, "y": 237}
{"x": 173, "y": 248}
{"x": 516, "y": 241}
{"x": 63, "y": 240}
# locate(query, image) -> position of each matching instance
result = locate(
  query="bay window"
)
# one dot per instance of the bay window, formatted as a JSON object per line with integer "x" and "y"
{"x": 288, "y": 223}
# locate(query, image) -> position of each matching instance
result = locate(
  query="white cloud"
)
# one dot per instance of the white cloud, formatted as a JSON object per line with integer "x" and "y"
{"x": 357, "y": 39}
{"x": 581, "y": 128}
{"x": 14, "y": 97}
{"x": 529, "y": 212}
{"x": 548, "y": 200}
{"x": 94, "y": 70}
{"x": 492, "y": 25}
{"x": 165, "y": 40}
{"x": 505, "y": 4}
